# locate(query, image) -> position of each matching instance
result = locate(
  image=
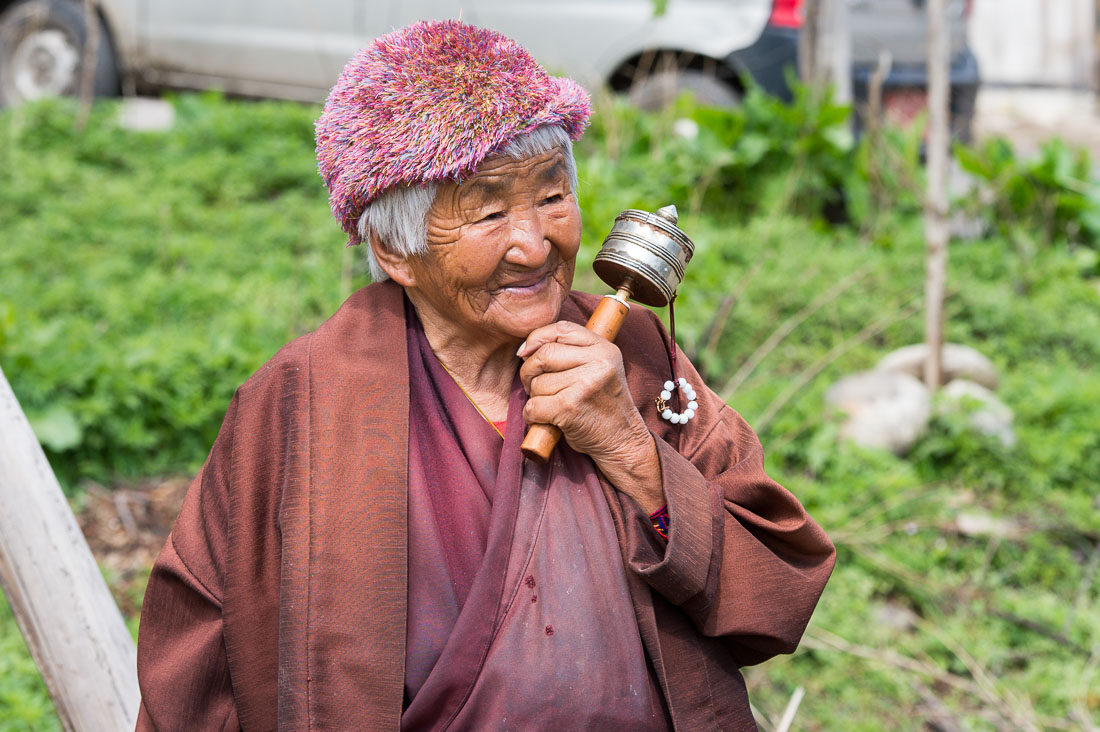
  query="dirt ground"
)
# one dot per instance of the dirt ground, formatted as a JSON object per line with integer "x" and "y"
{"x": 126, "y": 527}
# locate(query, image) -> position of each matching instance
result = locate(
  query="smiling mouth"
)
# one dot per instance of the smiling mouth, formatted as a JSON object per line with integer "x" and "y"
{"x": 527, "y": 285}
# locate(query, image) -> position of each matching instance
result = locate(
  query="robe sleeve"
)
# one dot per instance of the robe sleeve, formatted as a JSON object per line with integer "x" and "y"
{"x": 183, "y": 670}
{"x": 744, "y": 560}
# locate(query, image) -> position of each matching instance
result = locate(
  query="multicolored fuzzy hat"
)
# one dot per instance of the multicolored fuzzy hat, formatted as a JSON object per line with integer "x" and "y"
{"x": 430, "y": 102}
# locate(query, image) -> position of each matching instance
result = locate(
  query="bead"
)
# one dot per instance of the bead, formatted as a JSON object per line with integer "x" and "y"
{"x": 687, "y": 392}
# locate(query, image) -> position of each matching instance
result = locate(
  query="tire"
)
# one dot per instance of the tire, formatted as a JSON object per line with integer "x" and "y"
{"x": 41, "y": 52}
{"x": 660, "y": 89}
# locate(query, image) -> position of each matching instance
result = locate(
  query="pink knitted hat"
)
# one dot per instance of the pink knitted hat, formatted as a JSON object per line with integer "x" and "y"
{"x": 431, "y": 102}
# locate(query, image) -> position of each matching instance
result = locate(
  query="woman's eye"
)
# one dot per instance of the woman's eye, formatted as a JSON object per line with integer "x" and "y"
{"x": 495, "y": 216}
{"x": 554, "y": 198}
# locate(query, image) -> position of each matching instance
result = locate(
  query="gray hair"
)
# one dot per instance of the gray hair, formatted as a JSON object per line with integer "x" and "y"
{"x": 399, "y": 217}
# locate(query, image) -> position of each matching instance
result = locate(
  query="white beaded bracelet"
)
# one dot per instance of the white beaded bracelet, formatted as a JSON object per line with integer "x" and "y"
{"x": 689, "y": 394}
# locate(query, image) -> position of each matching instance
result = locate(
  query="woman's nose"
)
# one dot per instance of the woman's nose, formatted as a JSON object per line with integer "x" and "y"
{"x": 529, "y": 246}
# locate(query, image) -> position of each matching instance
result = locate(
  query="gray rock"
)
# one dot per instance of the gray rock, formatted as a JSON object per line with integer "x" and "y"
{"x": 984, "y": 524}
{"x": 885, "y": 409}
{"x": 959, "y": 362}
{"x": 895, "y": 616}
{"x": 990, "y": 416}
{"x": 145, "y": 114}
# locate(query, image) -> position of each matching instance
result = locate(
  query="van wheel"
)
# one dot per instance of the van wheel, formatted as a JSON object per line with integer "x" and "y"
{"x": 41, "y": 52}
{"x": 660, "y": 89}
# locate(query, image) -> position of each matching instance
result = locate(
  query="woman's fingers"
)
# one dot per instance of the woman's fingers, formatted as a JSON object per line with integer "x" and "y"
{"x": 545, "y": 409}
{"x": 572, "y": 375}
{"x": 563, "y": 332}
{"x": 556, "y": 357}
{"x": 587, "y": 430}
{"x": 550, "y": 383}
{"x": 575, "y": 379}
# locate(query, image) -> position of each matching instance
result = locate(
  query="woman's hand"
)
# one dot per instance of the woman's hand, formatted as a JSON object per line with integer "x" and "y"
{"x": 575, "y": 380}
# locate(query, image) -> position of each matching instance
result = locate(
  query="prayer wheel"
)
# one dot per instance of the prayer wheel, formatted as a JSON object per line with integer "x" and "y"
{"x": 642, "y": 258}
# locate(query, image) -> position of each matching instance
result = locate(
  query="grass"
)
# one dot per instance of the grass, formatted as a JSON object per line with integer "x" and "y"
{"x": 143, "y": 276}
{"x": 24, "y": 704}
{"x": 1001, "y": 631}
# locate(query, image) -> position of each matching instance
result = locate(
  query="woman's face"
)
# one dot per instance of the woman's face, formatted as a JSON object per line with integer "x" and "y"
{"x": 501, "y": 250}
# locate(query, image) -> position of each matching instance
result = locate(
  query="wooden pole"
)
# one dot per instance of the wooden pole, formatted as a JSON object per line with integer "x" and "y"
{"x": 89, "y": 63}
{"x": 840, "y": 50}
{"x": 825, "y": 48}
{"x": 66, "y": 613}
{"x": 935, "y": 212}
{"x": 808, "y": 41}
{"x": 1095, "y": 80}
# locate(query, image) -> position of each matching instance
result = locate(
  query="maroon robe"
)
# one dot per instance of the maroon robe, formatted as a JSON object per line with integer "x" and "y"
{"x": 519, "y": 613}
{"x": 280, "y": 599}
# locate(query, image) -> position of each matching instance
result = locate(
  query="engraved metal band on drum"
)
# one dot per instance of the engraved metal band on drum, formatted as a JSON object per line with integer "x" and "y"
{"x": 634, "y": 234}
{"x": 650, "y": 246}
{"x": 663, "y": 259}
{"x": 650, "y": 287}
{"x": 665, "y": 220}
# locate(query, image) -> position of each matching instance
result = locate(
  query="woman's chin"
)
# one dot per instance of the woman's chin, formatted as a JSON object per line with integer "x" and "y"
{"x": 521, "y": 310}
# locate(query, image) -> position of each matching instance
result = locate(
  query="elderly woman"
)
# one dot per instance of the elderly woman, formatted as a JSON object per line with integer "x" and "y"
{"x": 366, "y": 546}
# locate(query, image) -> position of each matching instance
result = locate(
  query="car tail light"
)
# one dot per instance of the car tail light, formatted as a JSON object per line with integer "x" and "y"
{"x": 787, "y": 14}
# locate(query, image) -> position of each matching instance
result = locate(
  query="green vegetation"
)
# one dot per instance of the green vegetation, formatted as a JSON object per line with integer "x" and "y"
{"x": 1048, "y": 200}
{"x": 144, "y": 276}
{"x": 24, "y": 704}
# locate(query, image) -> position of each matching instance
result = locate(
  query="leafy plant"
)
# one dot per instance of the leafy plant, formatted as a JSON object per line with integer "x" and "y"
{"x": 145, "y": 275}
{"x": 762, "y": 156}
{"x": 24, "y": 704}
{"x": 1032, "y": 202}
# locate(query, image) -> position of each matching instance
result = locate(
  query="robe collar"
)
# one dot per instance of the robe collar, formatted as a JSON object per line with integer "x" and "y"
{"x": 344, "y": 577}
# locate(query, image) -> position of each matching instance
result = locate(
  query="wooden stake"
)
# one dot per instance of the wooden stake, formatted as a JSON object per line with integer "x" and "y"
{"x": 89, "y": 63}
{"x": 808, "y": 41}
{"x": 66, "y": 613}
{"x": 825, "y": 48}
{"x": 935, "y": 213}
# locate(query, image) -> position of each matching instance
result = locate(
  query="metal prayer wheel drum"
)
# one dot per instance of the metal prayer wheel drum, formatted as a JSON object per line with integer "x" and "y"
{"x": 642, "y": 258}
{"x": 648, "y": 253}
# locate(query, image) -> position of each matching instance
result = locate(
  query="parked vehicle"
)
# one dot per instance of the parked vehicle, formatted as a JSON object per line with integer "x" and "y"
{"x": 898, "y": 27}
{"x": 296, "y": 50}
{"x": 42, "y": 44}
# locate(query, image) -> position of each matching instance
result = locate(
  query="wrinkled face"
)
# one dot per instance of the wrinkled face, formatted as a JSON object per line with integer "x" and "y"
{"x": 501, "y": 250}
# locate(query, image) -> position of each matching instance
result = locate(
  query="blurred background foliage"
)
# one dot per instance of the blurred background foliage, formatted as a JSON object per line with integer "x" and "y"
{"x": 144, "y": 276}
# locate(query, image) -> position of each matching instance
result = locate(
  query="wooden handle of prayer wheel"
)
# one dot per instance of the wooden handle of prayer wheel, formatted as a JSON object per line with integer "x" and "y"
{"x": 606, "y": 321}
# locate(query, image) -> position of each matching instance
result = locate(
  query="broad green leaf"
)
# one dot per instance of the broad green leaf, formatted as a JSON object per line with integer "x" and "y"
{"x": 56, "y": 428}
